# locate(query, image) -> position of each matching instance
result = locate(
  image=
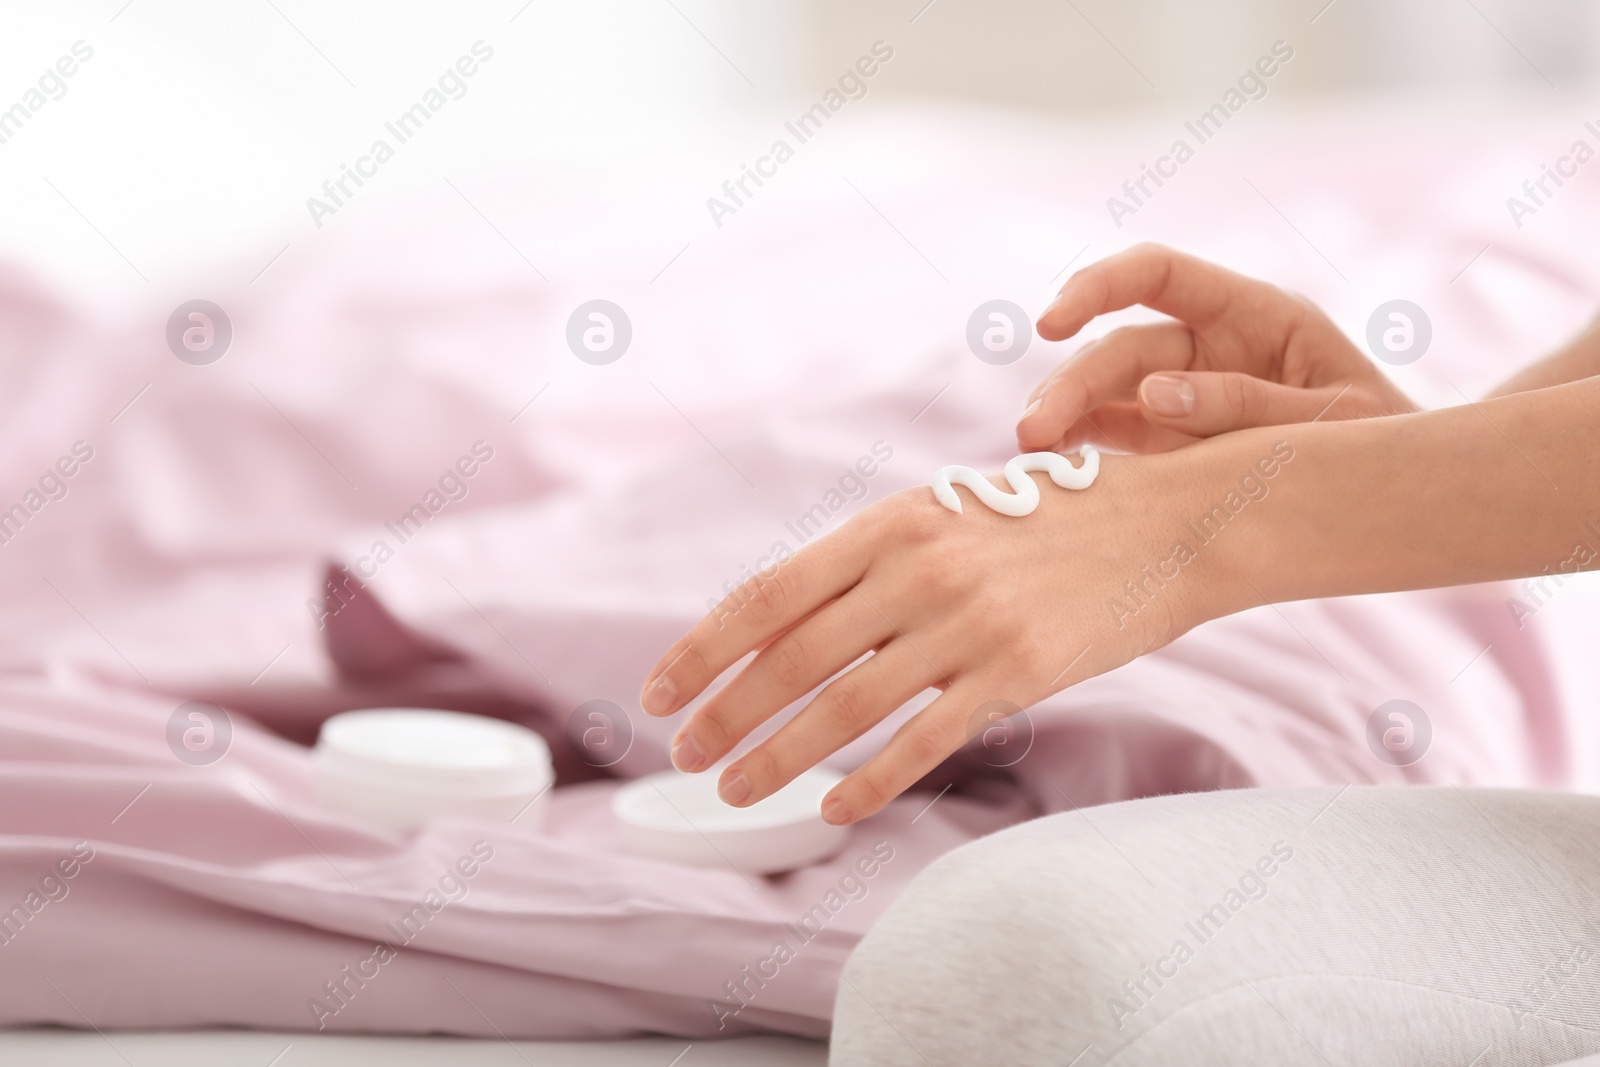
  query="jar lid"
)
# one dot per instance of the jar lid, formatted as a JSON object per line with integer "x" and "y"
{"x": 427, "y": 750}
{"x": 680, "y": 818}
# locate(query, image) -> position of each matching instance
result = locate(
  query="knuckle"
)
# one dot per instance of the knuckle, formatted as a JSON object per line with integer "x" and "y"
{"x": 711, "y": 730}
{"x": 869, "y": 790}
{"x": 1157, "y": 259}
{"x": 690, "y": 669}
{"x": 926, "y": 746}
{"x": 1092, "y": 282}
{"x": 1120, "y": 335}
{"x": 942, "y": 574}
{"x": 762, "y": 770}
{"x": 844, "y": 708}
{"x": 1298, "y": 301}
{"x": 789, "y": 661}
{"x": 1083, "y": 274}
{"x": 1030, "y": 656}
{"x": 918, "y": 520}
{"x": 1239, "y": 397}
{"x": 768, "y": 596}
{"x": 910, "y": 520}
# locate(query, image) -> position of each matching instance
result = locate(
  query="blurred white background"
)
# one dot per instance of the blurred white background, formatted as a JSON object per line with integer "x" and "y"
{"x": 202, "y": 127}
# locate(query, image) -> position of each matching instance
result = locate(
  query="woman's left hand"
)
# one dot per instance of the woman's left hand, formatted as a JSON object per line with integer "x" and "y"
{"x": 980, "y": 606}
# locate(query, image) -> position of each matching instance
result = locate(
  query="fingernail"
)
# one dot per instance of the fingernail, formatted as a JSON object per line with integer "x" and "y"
{"x": 660, "y": 697}
{"x": 687, "y": 755}
{"x": 733, "y": 789}
{"x": 1166, "y": 395}
{"x": 1031, "y": 408}
{"x": 835, "y": 811}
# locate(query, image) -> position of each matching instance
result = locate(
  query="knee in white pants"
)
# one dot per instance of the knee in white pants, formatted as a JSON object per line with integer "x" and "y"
{"x": 1369, "y": 926}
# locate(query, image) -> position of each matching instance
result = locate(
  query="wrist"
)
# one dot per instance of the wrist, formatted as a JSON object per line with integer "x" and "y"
{"x": 1307, "y": 510}
{"x": 1174, "y": 513}
{"x": 1220, "y": 503}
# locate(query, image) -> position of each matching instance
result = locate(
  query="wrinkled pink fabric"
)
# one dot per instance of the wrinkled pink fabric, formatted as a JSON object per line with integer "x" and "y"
{"x": 190, "y": 556}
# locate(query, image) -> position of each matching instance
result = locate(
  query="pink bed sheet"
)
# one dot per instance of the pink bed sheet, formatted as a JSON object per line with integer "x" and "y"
{"x": 204, "y": 547}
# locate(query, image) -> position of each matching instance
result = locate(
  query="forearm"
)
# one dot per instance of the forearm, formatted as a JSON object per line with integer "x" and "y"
{"x": 1578, "y": 359}
{"x": 1500, "y": 489}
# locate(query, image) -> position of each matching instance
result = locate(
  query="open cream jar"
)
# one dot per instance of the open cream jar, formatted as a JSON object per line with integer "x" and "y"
{"x": 401, "y": 767}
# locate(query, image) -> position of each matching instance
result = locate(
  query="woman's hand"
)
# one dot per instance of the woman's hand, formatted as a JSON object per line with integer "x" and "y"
{"x": 1240, "y": 353}
{"x": 980, "y": 606}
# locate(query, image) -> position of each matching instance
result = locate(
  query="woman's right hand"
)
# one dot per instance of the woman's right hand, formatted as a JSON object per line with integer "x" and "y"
{"x": 1237, "y": 352}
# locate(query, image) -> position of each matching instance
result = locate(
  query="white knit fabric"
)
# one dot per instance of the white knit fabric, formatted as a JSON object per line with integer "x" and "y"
{"x": 1370, "y": 926}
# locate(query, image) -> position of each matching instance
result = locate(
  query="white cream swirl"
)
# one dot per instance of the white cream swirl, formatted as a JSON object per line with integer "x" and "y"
{"x": 1024, "y": 496}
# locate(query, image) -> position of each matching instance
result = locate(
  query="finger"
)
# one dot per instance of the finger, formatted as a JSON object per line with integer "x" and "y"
{"x": 919, "y": 746}
{"x": 851, "y": 705}
{"x": 1118, "y": 427}
{"x": 1104, "y": 370}
{"x": 1153, "y": 276}
{"x": 792, "y": 665}
{"x": 754, "y": 613}
{"x": 1204, "y": 403}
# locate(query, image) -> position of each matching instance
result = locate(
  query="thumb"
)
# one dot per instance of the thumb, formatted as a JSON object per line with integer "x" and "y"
{"x": 1204, "y": 403}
